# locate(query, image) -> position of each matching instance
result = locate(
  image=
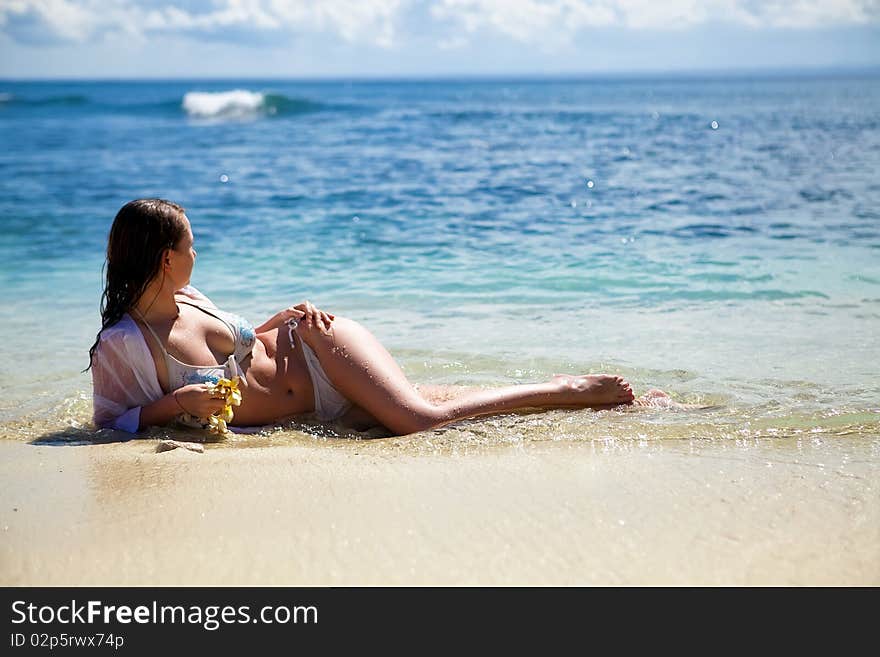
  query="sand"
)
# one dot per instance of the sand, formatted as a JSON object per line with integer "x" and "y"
{"x": 340, "y": 512}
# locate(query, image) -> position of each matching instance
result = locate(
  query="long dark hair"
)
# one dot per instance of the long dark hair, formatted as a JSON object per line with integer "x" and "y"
{"x": 141, "y": 232}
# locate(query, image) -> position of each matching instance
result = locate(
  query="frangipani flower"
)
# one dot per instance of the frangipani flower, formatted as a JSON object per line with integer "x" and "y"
{"x": 228, "y": 389}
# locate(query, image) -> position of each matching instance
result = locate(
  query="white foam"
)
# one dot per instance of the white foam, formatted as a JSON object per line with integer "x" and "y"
{"x": 223, "y": 104}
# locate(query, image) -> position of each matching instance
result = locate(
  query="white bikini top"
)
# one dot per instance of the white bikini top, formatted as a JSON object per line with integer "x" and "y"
{"x": 181, "y": 374}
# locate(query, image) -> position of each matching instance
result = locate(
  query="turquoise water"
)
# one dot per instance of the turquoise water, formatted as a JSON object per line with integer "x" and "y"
{"x": 718, "y": 238}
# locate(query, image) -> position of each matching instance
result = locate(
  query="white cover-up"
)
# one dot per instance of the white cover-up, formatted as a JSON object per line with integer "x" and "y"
{"x": 123, "y": 372}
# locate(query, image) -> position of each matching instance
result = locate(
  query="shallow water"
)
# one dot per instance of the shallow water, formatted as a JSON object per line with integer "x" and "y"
{"x": 718, "y": 239}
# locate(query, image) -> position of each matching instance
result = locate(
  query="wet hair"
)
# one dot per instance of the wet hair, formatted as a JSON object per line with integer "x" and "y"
{"x": 142, "y": 230}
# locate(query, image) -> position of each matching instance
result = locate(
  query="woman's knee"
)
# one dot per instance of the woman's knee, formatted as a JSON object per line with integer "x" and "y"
{"x": 407, "y": 416}
{"x": 421, "y": 420}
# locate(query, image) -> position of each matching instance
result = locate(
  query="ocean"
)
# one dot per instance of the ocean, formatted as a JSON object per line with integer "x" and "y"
{"x": 718, "y": 238}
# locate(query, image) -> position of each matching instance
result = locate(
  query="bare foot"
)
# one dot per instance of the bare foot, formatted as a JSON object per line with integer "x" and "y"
{"x": 593, "y": 389}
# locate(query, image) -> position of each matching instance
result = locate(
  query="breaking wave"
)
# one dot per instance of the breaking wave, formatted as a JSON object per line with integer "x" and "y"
{"x": 241, "y": 103}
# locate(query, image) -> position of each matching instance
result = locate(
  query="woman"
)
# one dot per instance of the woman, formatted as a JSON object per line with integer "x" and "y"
{"x": 162, "y": 343}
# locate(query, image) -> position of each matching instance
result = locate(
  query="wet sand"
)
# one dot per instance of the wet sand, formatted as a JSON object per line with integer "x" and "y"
{"x": 682, "y": 512}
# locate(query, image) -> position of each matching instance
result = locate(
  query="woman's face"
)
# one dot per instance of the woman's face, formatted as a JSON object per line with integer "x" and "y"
{"x": 182, "y": 257}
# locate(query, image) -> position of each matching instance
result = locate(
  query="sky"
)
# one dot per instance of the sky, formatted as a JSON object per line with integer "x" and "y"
{"x": 430, "y": 38}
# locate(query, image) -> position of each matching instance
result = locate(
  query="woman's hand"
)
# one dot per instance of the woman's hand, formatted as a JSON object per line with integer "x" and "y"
{"x": 198, "y": 400}
{"x": 304, "y": 313}
{"x": 310, "y": 316}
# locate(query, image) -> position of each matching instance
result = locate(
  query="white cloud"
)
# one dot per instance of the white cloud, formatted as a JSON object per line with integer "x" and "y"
{"x": 64, "y": 19}
{"x": 671, "y": 14}
{"x": 806, "y": 13}
{"x": 523, "y": 19}
{"x": 369, "y": 21}
{"x": 537, "y": 21}
{"x": 452, "y": 43}
{"x": 377, "y": 22}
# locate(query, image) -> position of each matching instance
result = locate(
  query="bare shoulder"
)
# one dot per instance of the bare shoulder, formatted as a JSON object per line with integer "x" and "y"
{"x": 189, "y": 293}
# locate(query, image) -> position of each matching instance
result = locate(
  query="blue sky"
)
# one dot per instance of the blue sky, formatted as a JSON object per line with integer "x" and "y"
{"x": 389, "y": 38}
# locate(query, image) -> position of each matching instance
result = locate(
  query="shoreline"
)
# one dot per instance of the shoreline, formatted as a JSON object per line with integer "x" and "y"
{"x": 330, "y": 513}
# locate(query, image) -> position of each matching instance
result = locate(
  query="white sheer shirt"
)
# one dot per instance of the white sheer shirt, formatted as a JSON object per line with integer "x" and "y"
{"x": 124, "y": 377}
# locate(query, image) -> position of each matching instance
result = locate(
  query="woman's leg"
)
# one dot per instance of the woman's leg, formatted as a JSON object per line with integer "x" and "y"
{"x": 437, "y": 393}
{"x": 360, "y": 420}
{"x": 362, "y": 369}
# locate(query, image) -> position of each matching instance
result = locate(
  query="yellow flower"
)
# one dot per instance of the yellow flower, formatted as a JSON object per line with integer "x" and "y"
{"x": 228, "y": 389}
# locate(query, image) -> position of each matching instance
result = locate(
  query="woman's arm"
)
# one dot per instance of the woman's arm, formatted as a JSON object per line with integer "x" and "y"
{"x": 195, "y": 399}
{"x": 304, "y": 311}
{"x": 160, "y": 412}
{"x": 126, "y": 393}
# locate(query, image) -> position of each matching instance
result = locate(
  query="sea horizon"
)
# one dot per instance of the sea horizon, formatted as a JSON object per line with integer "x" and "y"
{"x": 732, "y": 73}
